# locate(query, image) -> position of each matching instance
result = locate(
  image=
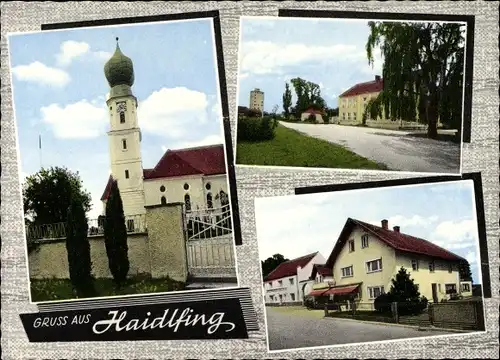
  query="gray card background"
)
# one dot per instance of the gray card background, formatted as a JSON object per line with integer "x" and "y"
{"x": 482, "y": 154}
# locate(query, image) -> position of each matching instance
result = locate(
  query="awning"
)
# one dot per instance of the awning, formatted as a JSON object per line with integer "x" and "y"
{"x": 341, "y": 290}
{"x": 317, "y": 292}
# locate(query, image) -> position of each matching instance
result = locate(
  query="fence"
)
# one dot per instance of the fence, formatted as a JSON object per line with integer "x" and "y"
{"x": 134, "y": 224}
{"x": 208, "y": 223}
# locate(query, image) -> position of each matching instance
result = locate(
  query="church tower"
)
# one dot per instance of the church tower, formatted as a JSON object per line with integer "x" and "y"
{"x": 124, "y": 134}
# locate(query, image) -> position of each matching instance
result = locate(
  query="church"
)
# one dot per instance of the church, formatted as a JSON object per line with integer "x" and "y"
{"x": 196, "y": 177}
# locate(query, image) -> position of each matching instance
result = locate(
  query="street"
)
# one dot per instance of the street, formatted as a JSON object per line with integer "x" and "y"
{"x": 393, "y": 148}
{"x": 304, "y": 328}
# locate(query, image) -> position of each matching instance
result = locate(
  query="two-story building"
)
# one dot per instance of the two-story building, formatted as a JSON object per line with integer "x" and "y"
{"x": 366, "y": 258}
{"x": 288, "y": 282}
{"x": 353, "y": 101}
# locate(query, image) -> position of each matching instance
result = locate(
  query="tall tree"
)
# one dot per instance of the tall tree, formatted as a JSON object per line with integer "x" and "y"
{"x": 115, "y": 236}
{"x": 308, "y": 95}
{"x": 287, "y": 100}
{"x": 272, "y": 263}
{"x": 422, "y": 71}
{"x": 464, "y": 270}
{"x": 78, "y": 249}
{"x": 47, "y": 195}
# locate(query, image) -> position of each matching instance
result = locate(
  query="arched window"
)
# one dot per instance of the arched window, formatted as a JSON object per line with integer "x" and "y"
{"x": 208, "y": 186}
{"x": 210, "y": 203}
{"x": 186, "y": 186}
{"x": 163, "y": 200}
{"x": 187, "y": 202}
{"x": 122, "y": 118}
{"x": 162, "y": 188}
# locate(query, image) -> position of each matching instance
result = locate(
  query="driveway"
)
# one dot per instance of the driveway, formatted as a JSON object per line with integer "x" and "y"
{"x": 289, "y": 330}
{"x": 395, "y": 149}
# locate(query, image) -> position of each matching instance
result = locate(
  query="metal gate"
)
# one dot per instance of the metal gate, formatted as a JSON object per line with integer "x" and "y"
{"x": 210, "y": 243}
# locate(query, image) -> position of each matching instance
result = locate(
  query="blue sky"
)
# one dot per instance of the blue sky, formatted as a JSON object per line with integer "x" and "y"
{"x": 60, "y": 90}
{"x": 330, "y": 53}
{"x": 442, "y": 213}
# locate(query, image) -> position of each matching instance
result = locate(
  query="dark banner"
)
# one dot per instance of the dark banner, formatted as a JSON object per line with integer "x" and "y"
{"x": 211, "y": 319}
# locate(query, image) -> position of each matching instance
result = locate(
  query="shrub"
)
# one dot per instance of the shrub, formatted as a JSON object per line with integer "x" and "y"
{"x": 309, "y": 302}
{"x": 256, "y": 129}
{"x": 382, "y": 303}
{"x": 311, "y": 119}
{"x": 78, "y": 249}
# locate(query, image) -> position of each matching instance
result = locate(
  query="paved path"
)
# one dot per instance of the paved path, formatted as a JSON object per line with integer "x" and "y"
{"x": 393, "y": 148}
{"x": 287, "y": 330}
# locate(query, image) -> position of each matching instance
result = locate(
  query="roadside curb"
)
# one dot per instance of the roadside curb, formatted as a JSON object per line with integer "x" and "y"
{"x": 419, "y": 328}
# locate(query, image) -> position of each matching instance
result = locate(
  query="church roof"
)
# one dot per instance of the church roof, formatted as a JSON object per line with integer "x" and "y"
{"x": 205, "y": 160}
{"x": 119, "y": 69}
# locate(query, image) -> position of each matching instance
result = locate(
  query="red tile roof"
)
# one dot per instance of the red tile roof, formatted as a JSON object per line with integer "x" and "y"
{"x": 321, "y": 269}
{"x": 289, "y": 268}
{"x": 364, "y": 88}
{"x": 396, "y": 240}
{"x": 107, "y": 190}
{"x": 205, "y": 160}
{"x": 313, "y": 111}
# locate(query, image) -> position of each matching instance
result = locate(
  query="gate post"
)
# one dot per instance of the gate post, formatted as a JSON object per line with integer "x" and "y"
{"x": 430, "y": 312}
{"x": 394, "y": 311}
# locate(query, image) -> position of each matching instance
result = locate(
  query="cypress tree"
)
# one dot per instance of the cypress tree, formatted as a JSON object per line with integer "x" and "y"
{"x": 115, "y": 236}
{"x": 78, "y": 249}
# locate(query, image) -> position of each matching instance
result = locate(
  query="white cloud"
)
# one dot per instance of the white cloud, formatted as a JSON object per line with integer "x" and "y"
{"x": 103, "y": 55}
{"x": 70, "y": 50}
{"x": 415, "y": 220}
{"x": 243, "y": 76}
{"x": 264, "y": 57}
{"x": 456, "y": 234}
{"x": 174, "y": 112}
{"x": 376, "y": 67}
{"x": 42, "y": 74}
{"x": 471, "y": 257}
{"x": 208, "y": 140}
{"x": 78, "y": 120}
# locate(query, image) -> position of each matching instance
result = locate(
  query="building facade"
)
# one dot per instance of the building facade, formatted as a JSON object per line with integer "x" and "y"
{"x": 196, "y": 177}
{"x": 352, "y": 102}
{"x": 256, "y": 100}
{"x": 367, "y": 257}
{"x": 318, "y": 115}
{"x": 287, "y": 283}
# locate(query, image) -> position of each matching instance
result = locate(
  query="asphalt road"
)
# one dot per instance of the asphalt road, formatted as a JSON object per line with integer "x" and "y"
{"x": 395, "y": 149}
{"x": 292, "y": 331}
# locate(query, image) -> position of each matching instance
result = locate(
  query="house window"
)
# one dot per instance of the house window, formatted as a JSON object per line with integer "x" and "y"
{"x": 364, "y": 241}
{"x": 450, "y": 288}
{"x": 186, "y": 186}
{"x": 271, "y": 297}
{"x": 354, "y": 116}
{"x": 291, "y": 281}
{"x": 351, "y": 245}
{"x": 373, "y": 266}
{"x": 439, "y": 287}
{"x": 347, "y": 271}
{"x": 126, "y": 174}
{"x": 208, "y": 186}
{"x": 348, "y": 116}
{"x": 319, "y": 278}
{"x": 292, "y": 296}
{"x": 466, "y": 287}
{"x": 187, "y": 202}
{"x": 343, "y": 116}
{"x": 124, "y": 144}
{"x": 375, "y": 291}
{"x": 122, "y": 118}
{"x": 162, "y": 188}
{"x": 130, "y": 225}
{"x": 414, "y": 265}
{"x": 450, "y": 268}
{"x": 280, "y": 282}
{"x": 270, "y": 284}
{"x": 163, "y": 200}
{"x": 432, "y": 266}
{"x": 210, "y": 203}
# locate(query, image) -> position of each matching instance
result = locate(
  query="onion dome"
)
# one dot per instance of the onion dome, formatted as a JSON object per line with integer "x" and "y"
{"x": 119, "y": 69}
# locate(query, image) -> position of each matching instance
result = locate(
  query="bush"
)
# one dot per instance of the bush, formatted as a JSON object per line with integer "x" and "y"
{"x": 382, "y": 303}
{"x": 309, "y": 302}
{"x": 311, "y": 119}
{"x": 256, "y": 129}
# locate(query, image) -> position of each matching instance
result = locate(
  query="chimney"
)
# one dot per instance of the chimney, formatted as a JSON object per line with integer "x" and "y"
{"x": 377, "y": 78}
{"x": 385, "y": 224}
{"x": 396, "y": 229}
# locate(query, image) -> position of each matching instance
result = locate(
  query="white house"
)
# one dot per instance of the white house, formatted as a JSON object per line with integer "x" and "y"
{"x": 318, "y": 114}
{"x": 286, "y": 283}
{"x": 195, "y": 176}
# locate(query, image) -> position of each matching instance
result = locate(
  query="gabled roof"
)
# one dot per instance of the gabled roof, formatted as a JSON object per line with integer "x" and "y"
{"x": 321, "y": 269}
{"x": 313, "y": 111}
{"x": 107, "y": 190}
{"x": 396, "y": 240}
{"x": 204, "y": 160}
{"x": 364, "y": 88}
{"x": 289, "y": 268}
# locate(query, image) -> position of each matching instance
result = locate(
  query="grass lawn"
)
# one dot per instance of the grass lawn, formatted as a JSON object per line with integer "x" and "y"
{"x": 60, "y": 289}
{"x": 300, "y": 311}
{"x": 290, "y": 148}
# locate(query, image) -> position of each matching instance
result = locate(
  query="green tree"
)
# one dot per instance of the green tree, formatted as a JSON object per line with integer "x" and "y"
{"x": 115, "y": 236}
{"x": 78, "y": 249}
{"x": 464, "y": 270}
{"x": 422, "y": 71}
{"x": 308, "y": 95}
{"x": 47, "y": 195}
{"x": 287, "y": 100}
{"x": 272, "y": 263}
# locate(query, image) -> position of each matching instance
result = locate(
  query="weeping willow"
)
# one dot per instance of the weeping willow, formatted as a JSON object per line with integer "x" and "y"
{"x": 422, "y": 72}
